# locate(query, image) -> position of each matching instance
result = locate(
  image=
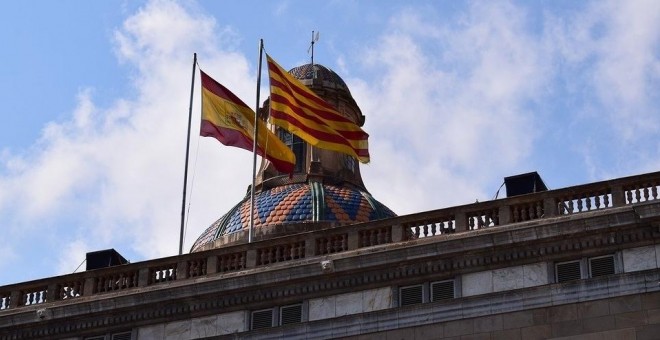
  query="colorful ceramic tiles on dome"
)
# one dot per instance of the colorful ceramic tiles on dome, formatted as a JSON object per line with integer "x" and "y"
{"x": 297, "y": 203}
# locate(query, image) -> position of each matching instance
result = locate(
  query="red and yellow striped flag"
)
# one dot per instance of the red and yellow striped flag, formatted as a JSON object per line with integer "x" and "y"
{"x": 296, "y": 108}
{"x": 226, "y": 118}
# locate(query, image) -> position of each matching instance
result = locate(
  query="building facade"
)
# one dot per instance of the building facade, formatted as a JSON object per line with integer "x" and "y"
{"x": 330, "y": 261}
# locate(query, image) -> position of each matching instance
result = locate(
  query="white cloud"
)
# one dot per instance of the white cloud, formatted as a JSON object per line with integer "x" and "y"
{"x": 447, "y": 112}
{"x": 117, "y": 172}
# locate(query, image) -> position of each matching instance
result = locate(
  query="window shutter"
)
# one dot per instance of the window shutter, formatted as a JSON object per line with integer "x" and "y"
{"x": 262, "y": 319}
{"x": 290, "y": 314}
{"x": 121, "y": 336}
{"x": 568, "y": 271}
{"x": 411, "y": 295}
{"x": 601, "y": 266}
{"x": 442, "y": 290}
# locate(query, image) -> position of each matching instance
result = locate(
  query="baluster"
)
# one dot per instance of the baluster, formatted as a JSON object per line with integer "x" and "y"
{"x": 647, "y": 192}
{"x": 525, "y": 213}
{"x": 230, "y": 261}
{"x": 223, "y": 266}
{"x": 587, "y": 201}
{"x": 280, "y": 253}
{"x": 629, "y": 196}
{"x": 606, "y": 200}
{"x": 636, "y": 194}
{"x": 571, "y": 206}
{"x": 374, "y": 237}
{"x": 515, "y": 213}
{"x": 654, "y": 191}
{"x": 272, "y": 255}
{"x": 579, "y": 204}
{"x": 539, "y": 210}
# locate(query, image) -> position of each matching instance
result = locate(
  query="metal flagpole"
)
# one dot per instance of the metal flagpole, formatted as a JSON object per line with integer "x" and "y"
{"x": 185, "y": 172}
{"x": 311, "y": 47}
{"x": 254, "y": 148}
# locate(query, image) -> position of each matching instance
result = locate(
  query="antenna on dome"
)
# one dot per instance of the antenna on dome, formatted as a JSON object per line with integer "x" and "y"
{"x": 315, "y": 38}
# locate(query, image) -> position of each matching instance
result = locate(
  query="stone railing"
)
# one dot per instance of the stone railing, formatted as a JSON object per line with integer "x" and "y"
{"x": 304, "y": 245}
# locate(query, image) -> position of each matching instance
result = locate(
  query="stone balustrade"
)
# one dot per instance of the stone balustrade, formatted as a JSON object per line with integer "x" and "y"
{"x": 243, "y": 256}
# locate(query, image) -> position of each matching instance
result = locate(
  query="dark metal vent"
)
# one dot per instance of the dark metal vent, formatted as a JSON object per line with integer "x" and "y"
{"x": 290, "y": 314}
{"x": 411, "y": 295}
{"x": 121, "y": 336}
{"x": 568, "y": 271}
{"x": 601, "y": 266}
{"x": 442, "y": 290}
{"x": 262, "y": 319}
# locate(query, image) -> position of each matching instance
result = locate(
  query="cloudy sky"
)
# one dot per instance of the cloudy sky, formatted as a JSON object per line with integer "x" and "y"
{"x": 457, "y": 96}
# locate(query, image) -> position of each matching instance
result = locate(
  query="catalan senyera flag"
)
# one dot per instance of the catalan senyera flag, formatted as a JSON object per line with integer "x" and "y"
{"x": 296, "y": 108}
{"x": 226, "y": 118}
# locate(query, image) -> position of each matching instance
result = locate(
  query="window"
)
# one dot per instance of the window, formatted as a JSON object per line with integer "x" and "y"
{"x": 290, "y": 314}
{"x": 442, "y": 290}
{"x": 128, "y": 335}
{"x": 601, "y": 266}
{"x": 427, "y": 292}
{"x": 585, "y": 268}
{"x": 567, "y": 271}
{"x": 277, "y": 316}
{"x": 296, "y": 145}
{"x": 411, "y": 295}
{"x": 262, "y": 319}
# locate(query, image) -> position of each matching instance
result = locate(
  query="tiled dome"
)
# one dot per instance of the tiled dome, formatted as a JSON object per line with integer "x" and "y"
{"x": 304, "y": 72}
{"x": 298, "y": 203}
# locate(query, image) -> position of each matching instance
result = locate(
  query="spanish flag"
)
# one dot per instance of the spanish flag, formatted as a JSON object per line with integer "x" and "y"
{"x": 226, "y": 118}
{"x": 296, "y": 108}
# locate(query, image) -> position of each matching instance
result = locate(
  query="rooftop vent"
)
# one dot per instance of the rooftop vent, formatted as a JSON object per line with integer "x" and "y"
{"x": 104, "y": 258}
{"x": 522, "y": 184}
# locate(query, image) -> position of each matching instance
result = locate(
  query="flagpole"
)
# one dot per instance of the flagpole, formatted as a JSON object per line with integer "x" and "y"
{"x": 255, "y": 137}
{"x": 185, "y": 172}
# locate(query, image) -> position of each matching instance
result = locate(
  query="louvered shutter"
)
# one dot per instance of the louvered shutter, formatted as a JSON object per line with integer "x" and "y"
{"x": 568, "y": 271}
{"x": 601, "y": 266}
{"x": 290, "y": 314}
{"x": 262, "y": 319}
{"x": 411, "y": 295}
{"x": 442, "y": 290}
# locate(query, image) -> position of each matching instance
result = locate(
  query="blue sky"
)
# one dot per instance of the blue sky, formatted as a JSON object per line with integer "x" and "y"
{"x": 457, "y": 96}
